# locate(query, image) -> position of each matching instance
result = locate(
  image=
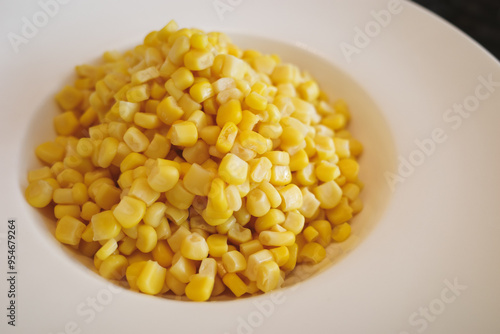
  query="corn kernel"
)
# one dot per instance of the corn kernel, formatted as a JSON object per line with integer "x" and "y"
{"x": 198, "y": 180}
{"x": 39, "y": 193}
{"x": 129, "y": 212}
{"x": 328, "y": 194}
{"x": 184, "y": 134}
{"x": 280, "y": 254}
{"x": 226, "y": 138}
{"x": 151, "y": 278}
{"x": 271, "y": 218}
{"x": 105, "y": 226}
{"x": 113, "y": 267}
{"x": 179, "y": 196}
{"x": 312, "y": 252}
{"x": 268, "y": 276}
{"x": 62, "y": 210}
{"x": 341, "y": 213}
{"x": 107, "y": 249}
{"x": 257, "y": 203}
{"x": 229, "y": 112}
{"x": 163, "y": 177}
{"x": 194, "y": 247}
{"x": 341, "y": 232}
{"x": 50, "y": 152}
{"x": 69, "y": 98}
{"x": 69, "y": 230}
{"x": 233, "y": 170}
{"x": 182, "y": 268}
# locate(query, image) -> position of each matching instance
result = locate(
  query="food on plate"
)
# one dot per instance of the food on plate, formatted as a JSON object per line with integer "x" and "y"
{"x": 189, "y": 166}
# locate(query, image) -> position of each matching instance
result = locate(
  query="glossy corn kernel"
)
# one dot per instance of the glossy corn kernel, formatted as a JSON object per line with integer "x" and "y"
{"x": 194, "y": 247}
{"x": 62, "y": 210}
{"x": 107, "y": 249}
{"x": 163, "y": 176}
{"x": 114, "y": 267}
{"x": 184, "y": 134}
{"x": 66, "y": 123}
{"x": 217, "y": 245}
{"x": 341, "y": 213}
{"x": 39, "y": 193}
{"x": 280, "y": 175}
{"x": 136, "y": 140}
{"x": 233, "y": 169}
{"x": 197, "y": 60}
{"x": 50, "y": 152}
{"x": 271, "y": 238}
{"x": 151, "y": 278}
{"x": 257, "y": 203}
{"x": 105, "y": 226}
{"x": 281, "y": 255}
{"x": 328, "y": 194}
{"x": 312, "y": 252}
{"x": 129, "y": 212}
{"x": 200, "y": 287}
{"x": 253, "y": 141}
{"x": 163, "y": 254}
{"x": 182, "y": 268}
{"x": 268, "y": 276}
{"x": 201, "y": 91}
{"x": 234, "y": 261}
{"x": 69, "y": 230}
{"x": 341, "y": 232}
{"x": 235, "y": 284}
{"x": 69, "y": 98}
{"x": 255, "y": 260}
{"x": 198, "y": 179}
{"x": 226, "y": 138}
{"x": 146, "y": 238}
{"x": 291, "y": 198}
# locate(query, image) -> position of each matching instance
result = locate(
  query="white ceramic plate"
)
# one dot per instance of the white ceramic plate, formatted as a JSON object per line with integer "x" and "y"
{"x": 427, "y": 242}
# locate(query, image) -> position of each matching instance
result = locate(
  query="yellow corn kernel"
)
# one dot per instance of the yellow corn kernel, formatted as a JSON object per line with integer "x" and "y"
{"x": 209, "y": 134}
{"x": 226, "y": 138}
{"x": 253, "y": 141}
{"x": 145, "y": 75}
{"x": 182, "y": 268}
{"x": 308, "y": 90}
{"x": 138, "y": 93}
{"x": 256, "y": 101}
{"x": 179, "y": 196}
{"x": 105, "y": 226}
{"x": 229, "y": 112}
{"x": 200, "y": 287}
{"x": 250, "y": 247}
{"x": 233, "y": 170}
{"x": 197, "y": 60}
{"x": 175, "y": 240}
{"x": 234, "y": 261}
{"x": 271, "y": 238}
{"x": 69, "y": 230}
{"x": 183, "y": 78}
{"x": 268, "y": 276}
{"x": 69, "y": 97}
{"x": 89, "y": 248}
{"x": 60, "y": 195}
{"x": 136, "y": 140}
{"x": 107, "y": 152}
{"x": 163, "y": 177}
{"x": 280, "y": 254}
{"x": 310, "y": 233}
{"x": 349, "y": 168}
{"x": 222, "y": 225}
{"x": 341, "y": 213}
{"x": 66, "y": 123}
{"x": 271, "y": 218}
{"x": 292, "y": 257}
{"x": 326, "y": 171}
{"x": 188, "y": 104}
{"x": 194, "y": 247}
{"x": 146, "y": 238}
{"x": 68, "y": 177}
{"x": 324, "y": 229}
{"x": 356, "y": 205}
{"x": 50, "y": 152}
{"x": 163, "y": 230}
{"x": 199, "y": 41}
{"x": 88, "y": 118}
{"x": 310, "y": 204}
{"x": 342, "y": 148}
{"x": 88, "y": 233}
{"x": 62, "y": 210}
{"x": 151, "y": 278}
{"x": 356, "y": 148}
{"x": 238, "y": 234}
{"x": 312, "y": 252}
{"x": 88, "y": 210}
{"x": 291, "y": 198}
{"x": 129, "y": 212}
{"x": 177, "y": 287}
{"x": 39, "y": 193}
{"x": 325, "y": 147}
{"x": 85, "y": 147}
{"x": 341, "y": 232}
{"x": 147, "y": 120}
{"x": 39, "y": 174}
{"x": 328, "y": 194}
{"x": 291, "y": 137}
{"x": 163, "y": 254}
{"x": 257, "y": 203}
{"x": 158, "y": 147}
{"x": 351, "y": 191}
{"x": 127, "y": 246}
{"x": 184, "y": 134}
{"x": 232, "y": 67}
{"x": 140, "y": 189}
{"x": 280, "y": 175}
{"x": 106, "y": 196}
{"x": 260, "y": 169}
{"x": 198, "y": 153}
{"x": 132, "y": 273}
{"x": 107, "y": 249}
{"x": 255, "y": 260}
{"x": 272, "y": 194}
{"x": 248, "y": 120}
{"x": 307, "y": 175}
{"x": 132, "y": 161}
{"x": 217, "y": 245}
{"x": 294, "y": 222}
{"x": 178, "y": 50}
{"x": 168, "y": 111}
{"x": 198, "y": 180}
{"x": 235, "y": 284}
{"x": 201, "y": 91}
{"x": 114, "y": 267}
{"x": 154, "y": 214}
{"x": 278, "y": 157}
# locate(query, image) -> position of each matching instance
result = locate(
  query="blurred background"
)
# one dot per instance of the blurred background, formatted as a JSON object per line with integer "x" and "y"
{"x": 480, "y": 19}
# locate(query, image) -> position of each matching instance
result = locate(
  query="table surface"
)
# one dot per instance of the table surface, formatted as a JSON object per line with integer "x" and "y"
{"x": 480, "y": 19}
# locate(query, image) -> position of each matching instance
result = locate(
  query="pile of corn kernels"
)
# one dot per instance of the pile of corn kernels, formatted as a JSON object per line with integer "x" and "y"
{"x": 188, "y": 166}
